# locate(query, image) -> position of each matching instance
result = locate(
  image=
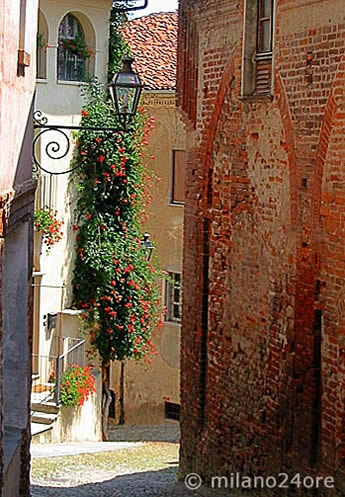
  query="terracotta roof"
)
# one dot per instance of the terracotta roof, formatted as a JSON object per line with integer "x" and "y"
{"x": 153, "y": 43}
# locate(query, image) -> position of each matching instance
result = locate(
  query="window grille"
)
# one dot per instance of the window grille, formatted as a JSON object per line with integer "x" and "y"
{"x": 71, "y": 66}
{"x": 172, "y": 411}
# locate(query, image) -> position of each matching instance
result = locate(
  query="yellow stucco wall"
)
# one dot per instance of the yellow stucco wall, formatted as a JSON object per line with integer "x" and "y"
{"x": 147, "y": 386}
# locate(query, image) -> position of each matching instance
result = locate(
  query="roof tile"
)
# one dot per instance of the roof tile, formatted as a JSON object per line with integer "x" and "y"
{"x": 153, "y": 43}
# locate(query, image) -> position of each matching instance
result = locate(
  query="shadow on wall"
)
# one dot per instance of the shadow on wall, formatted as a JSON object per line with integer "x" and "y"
{"x": 71, "y": 198}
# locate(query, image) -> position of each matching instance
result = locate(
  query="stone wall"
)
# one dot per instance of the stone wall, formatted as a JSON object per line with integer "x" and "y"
{"x": 264, "y": 266}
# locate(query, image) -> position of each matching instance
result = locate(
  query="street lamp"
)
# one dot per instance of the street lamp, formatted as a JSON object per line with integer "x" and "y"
{"x": 147, "y": 245}
{"x": 125, "y": 90}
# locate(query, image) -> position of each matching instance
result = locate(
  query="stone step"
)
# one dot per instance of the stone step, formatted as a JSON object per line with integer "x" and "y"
{"x": 43, "y": 418}
{"x": 37, "y": 428}
{"x": 48, "y": 407}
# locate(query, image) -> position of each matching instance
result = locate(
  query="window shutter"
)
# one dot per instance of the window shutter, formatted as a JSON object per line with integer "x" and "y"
{"x": 263, "y": 74}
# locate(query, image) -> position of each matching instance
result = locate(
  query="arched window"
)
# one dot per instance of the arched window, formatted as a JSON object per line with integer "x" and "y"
{"x": 42, "y": 46}
{"x": 73, "y": 52}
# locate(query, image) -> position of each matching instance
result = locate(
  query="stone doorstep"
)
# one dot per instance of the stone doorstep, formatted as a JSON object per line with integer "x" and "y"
{"x": 46, "y": 407}
{"x": 45, "y": 418}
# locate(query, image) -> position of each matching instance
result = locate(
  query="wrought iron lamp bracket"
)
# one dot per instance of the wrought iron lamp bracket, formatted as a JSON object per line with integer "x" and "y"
{"x": 59, "y": 149}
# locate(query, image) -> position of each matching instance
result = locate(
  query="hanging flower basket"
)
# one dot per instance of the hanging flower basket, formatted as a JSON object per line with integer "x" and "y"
{"x": 49, "y": 226}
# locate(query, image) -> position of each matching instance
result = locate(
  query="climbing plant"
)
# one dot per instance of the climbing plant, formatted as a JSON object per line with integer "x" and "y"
{"x": 118, "y": 47}
{"x": 113, "y": 282}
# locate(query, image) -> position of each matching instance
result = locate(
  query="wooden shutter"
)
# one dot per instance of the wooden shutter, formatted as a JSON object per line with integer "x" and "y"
{"x": 263, "y": 74}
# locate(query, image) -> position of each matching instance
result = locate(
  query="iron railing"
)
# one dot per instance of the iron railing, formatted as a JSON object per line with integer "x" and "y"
{"x": 75, "y": 355}
{"x": 49, "y": 369}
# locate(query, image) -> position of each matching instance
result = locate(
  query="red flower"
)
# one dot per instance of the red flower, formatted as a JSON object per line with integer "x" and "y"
{"x": 88, "y": 216}
{"x": 101, "y": 158}
{"x": 113, "y": 283}
{"x": 84, "y": 113}
{"x": 107, "y": 309}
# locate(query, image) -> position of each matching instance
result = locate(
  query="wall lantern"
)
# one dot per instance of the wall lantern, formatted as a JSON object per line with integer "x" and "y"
{"x": 147, "y": 245}
{"x": 125, "y": 90}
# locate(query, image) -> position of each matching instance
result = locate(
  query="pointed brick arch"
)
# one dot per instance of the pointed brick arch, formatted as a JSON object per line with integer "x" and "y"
{"x": 283, "y": 105}
{"x": 210, "y": 131}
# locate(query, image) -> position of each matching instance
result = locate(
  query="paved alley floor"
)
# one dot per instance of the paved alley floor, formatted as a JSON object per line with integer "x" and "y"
{"x": 137, "y": 462}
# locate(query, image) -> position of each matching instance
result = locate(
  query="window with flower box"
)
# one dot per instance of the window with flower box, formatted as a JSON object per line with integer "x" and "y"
{"x": 73, "y": 52}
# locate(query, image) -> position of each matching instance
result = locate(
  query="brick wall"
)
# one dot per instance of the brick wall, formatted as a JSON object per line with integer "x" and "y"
{"x": 263, "y": 338}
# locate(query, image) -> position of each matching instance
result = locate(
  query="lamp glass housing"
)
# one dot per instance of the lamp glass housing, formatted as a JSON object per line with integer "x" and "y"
{"x": 125, "y": 89}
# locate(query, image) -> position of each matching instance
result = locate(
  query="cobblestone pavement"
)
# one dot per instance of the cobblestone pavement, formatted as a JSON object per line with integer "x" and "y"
{"x": 93, "y": 482}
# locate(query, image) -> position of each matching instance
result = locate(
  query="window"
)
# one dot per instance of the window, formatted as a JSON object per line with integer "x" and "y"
{"x": 258, "y": 48}
{"x": 42, "y": 46}
{"x": 178, "y": 177}
{"x": 73, "y": 52}
{"x": 173, "y": 298}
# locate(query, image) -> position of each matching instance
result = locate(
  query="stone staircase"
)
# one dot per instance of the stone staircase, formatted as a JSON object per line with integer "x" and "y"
{"x": 43, "y": 416}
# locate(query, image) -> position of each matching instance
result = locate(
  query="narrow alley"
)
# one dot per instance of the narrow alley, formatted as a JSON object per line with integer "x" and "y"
{"x": 138, "y": 461}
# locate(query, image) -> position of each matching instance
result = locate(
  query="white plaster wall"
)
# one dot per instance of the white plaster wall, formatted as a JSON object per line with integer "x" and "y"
{"x": 78, "y": 424}
{"x": 61, "y": 103}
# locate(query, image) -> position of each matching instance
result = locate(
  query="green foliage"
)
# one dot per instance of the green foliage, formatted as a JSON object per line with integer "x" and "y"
{"x": 77, "y": 46}
{"x": 118, "y": 47}
{"x": 77, "y": 385}
{"x": 41, "y": 42}
{"x": 46, "y": 223}
{"x": 113, "y": 281}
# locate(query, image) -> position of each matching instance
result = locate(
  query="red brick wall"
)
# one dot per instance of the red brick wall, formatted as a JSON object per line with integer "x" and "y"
{"x": 263, "y": 341}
